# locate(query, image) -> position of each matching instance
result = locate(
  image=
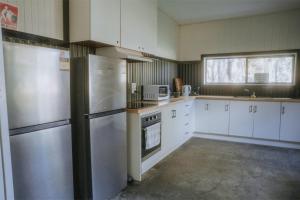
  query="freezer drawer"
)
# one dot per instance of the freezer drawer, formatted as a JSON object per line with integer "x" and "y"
{"x": 42, "y": 164}
{"x": 107, "y": 84}
{"x": 108, "y": 155}
{"x": 38, "y": 89}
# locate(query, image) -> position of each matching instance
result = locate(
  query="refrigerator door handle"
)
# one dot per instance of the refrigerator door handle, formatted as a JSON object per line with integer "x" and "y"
{"x": 103, "y": 114}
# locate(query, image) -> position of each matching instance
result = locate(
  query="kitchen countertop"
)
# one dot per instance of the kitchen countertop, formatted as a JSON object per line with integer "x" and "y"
{"x": 152, "y": 105}
{"x": 159, "y": 104}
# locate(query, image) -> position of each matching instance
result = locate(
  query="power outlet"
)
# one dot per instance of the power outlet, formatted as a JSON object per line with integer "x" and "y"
{"x": 133, "y": 88}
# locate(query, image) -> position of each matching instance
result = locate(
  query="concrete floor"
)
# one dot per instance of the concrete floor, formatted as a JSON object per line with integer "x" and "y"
{"x": 206, "y": 169}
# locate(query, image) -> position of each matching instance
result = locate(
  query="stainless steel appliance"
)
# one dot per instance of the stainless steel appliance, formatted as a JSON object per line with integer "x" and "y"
{"x": 38, "y": 99}
{"x": 156, "y": 92}
{"x": 99, "y": 126}
{"x": 151, "y": 134}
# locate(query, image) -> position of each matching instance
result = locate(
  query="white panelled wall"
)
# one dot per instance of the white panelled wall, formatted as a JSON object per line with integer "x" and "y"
{"x": 279, "y": 31}
{"x": 40, "y": 17}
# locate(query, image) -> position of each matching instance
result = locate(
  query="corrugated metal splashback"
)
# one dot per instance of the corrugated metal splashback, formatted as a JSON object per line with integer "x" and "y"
{"x": 142, "y": 73}
{"x": 190, "y": 73}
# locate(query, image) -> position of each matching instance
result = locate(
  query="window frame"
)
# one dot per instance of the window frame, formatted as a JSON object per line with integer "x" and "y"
{"x": 247, "y": 56}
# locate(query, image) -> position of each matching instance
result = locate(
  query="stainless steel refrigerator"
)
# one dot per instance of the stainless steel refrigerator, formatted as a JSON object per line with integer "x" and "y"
{"x": 98, "y": 88}
{"x": 38, "y": 100}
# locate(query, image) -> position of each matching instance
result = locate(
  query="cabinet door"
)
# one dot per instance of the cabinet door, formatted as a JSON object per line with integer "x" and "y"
{"x": 202, "y": 116}
{"x": 181, "y": 122}
{"x": 106, "y": 21}
{"x": 266, "y": 120}
{"x": 290, "y": 126}
{"x": 218, "y": 116}
{"x": 241, "y": 118}
{"x": 131, "y": 12}
{"x": 167, "y": 35}
{"x": 139, "y": 25}
{"x": 167, "y": 138}
{"x": 149, "y": 26}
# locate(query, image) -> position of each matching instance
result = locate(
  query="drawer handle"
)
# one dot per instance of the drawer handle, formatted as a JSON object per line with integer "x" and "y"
{"x": 186, "y": 133}
{"x": 186, "y": 115}
{"x": 186, "y": 124}
{"x": 283, "y": 110}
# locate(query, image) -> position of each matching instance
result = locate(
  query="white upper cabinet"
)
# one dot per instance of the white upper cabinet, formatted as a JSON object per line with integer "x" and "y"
{"x": 95, "y": 20}
{"x": 167, "y": 36}
{"x": 290, "y": 122}
{"x": 139, "y": 25}
{"x": 266, "y": 120}
{"x": 241, "y": 118}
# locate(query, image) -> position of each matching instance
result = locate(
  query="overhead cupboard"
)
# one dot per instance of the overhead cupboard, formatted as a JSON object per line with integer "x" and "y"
{"x": 130, "y": 24}
{"x": 252, "y": 119}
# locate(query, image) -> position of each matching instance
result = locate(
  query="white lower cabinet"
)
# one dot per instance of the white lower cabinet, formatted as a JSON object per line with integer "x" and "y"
{"x": 290, "y": 122}
{"x": 266, "y": 116}
{"x": 212, "y": 116}
{"x": 168, "y": 138}
{"x": 241, "y": 118}
{"x": 255, "y": 119}
{"x": 177, "y": 125}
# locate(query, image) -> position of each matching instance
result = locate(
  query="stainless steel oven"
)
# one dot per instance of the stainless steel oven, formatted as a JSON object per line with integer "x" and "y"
{"x": 151, "y": 134}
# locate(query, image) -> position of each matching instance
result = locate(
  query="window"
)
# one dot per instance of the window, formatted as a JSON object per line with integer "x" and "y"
{"x": 276, "y": 69}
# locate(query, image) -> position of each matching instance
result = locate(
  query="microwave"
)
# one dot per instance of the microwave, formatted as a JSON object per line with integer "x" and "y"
{"x": 156, "y": 92}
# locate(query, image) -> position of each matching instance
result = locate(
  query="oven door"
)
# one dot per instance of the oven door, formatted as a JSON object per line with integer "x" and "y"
{"x": 163, "y": 91}
{"x": 151, "y": 140}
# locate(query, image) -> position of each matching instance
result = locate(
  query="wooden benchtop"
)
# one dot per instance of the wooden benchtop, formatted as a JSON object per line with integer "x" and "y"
{"x": 172, "y": 101}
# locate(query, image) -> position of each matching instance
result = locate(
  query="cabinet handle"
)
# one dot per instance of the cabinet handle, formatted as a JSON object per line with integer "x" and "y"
{"x": 283, "y": 110}
{"x": 206, "y": 107}
{"x": 250, "y": 109}
{"x": 226, "y": 108}
{"x": 117, "y": 42}
{"x": 173, "y": 114}
{"x": 255, "y": 109}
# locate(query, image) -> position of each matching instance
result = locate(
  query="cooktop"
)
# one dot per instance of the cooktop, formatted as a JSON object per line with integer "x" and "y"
{"x": 138, "y": 105}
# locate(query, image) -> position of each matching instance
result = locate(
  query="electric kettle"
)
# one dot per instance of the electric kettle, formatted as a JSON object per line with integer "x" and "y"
{"x": 186, "y": 90}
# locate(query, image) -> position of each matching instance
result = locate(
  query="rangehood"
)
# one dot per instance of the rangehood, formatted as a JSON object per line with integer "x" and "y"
{"x": 117, "y": 52}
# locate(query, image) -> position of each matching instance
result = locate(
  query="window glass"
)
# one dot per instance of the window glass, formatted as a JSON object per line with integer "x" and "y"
{"x": 225, "y": 70}
{"x": 252, "y": 69}
{"x": 270, "y": 69}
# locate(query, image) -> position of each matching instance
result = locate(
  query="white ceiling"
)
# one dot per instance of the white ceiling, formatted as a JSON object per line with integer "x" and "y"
{"x": 193, "y": 11}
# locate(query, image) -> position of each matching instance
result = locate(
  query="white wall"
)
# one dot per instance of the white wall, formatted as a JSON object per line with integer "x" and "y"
{"x": 40, "y": 17}
{"x": 167, "y": 36}
{"x": 279, "y": 31}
